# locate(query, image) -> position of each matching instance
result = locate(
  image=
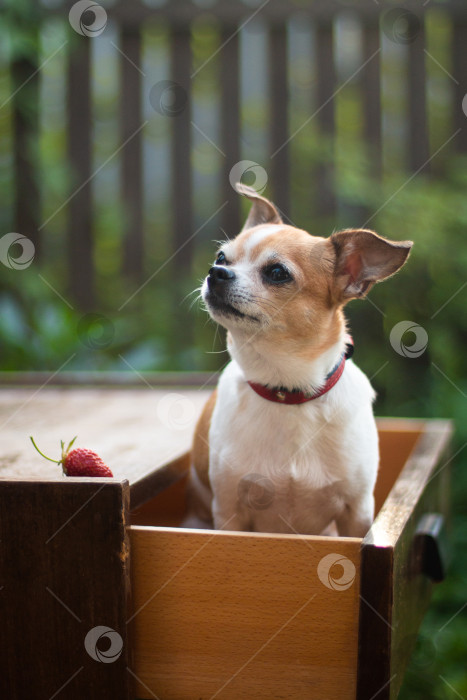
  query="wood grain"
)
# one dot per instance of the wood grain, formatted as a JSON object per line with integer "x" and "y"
{"x": 395, "y": 591}
{"x": 64, "y": 569}
{"x": 111, "y": 380}
{"x": 167, "y": 508}
{"x": 234, "y": 615}
{"x": 134, "y": 431}
{"x": 397, "y": 439}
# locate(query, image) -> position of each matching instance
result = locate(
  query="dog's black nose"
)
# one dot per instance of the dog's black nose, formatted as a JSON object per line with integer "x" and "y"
{"x": 218, "y": 275}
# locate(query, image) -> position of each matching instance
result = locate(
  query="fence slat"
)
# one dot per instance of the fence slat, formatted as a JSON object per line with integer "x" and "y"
{"x": 181, "y": 185}
{"x": 132, "y": 171}
{"x": 178, "y": 17}
{"x": 324, "y": 186}
{"x": 80, "y": 238}
{"x": 459, "y": 61}
{"x": 371, "y": 84}
{"x": 418, "y": 146}
{"x": 279, "y": 125}
{"x": 230, "y": 128}
{"x": 25, "y": 119}
{"x": 183, "y": 224}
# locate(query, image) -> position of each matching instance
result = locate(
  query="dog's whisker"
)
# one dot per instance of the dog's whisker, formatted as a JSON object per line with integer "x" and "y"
{"x": 207, "y": 321}
{"x": 227, "y": 237}
{"x": 193, "y": 291}
{"x": 198, "y": 298}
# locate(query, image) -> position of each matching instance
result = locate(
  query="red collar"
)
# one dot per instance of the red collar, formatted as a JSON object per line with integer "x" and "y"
{"x": 280, "y": 395}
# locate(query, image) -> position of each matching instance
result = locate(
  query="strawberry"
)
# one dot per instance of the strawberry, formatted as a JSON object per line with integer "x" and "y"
{"x": 79, "y": 462}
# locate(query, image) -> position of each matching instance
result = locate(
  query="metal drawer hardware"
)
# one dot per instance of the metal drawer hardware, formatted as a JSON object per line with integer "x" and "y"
{"x": 432, "y": 543}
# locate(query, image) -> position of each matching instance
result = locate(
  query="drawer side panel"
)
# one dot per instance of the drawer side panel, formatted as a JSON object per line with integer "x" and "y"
{"x": 395, "y": 591}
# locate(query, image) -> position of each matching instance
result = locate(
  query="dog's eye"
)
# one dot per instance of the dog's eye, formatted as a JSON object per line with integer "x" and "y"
{"x": 221, "y": 259}
{"x": 277, "y": 274}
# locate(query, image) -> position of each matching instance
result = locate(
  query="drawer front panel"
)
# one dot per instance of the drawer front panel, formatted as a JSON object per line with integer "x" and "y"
{"x": 238, "y": 615}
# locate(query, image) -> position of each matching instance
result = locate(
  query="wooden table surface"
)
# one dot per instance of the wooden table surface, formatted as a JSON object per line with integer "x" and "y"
{"x": 135, "y": 431}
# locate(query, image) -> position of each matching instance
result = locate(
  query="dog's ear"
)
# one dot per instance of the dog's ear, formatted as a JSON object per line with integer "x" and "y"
{"x": 363, "y": 258}
{"x": 262, "y": 212}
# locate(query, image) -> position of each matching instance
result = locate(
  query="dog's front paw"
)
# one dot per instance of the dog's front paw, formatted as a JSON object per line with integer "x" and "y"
{"x": 228, "y": 520}
{"x": 356, "y": 519}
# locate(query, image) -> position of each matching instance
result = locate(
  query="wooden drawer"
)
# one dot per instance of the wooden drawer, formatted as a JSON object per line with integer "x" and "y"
{"x": 203, "y": 614}
{"x": 233, "y": 615}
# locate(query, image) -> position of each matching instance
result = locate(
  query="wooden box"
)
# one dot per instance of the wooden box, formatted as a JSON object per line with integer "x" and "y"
{"x": 235, "y": 615}
{"x": 194, "y": 614}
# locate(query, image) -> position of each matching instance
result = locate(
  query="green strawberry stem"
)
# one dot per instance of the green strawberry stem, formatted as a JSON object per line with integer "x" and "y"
{"x": 64, "y": 453}
{"x": 70, "y": 445}
{"x": 42, "y": 454}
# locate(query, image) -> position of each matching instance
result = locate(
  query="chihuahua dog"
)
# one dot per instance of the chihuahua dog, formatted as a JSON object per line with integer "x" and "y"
{"x": 288, "y": 443}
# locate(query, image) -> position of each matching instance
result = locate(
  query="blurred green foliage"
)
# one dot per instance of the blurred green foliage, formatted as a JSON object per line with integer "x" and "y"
{"x": 41, "y": 330}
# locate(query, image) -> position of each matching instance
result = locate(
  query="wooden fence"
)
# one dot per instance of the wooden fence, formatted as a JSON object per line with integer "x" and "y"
{"x": 405, "y": 27}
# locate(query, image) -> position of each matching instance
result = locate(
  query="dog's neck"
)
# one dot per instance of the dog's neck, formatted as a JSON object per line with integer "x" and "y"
{"x": 270, "y": 364}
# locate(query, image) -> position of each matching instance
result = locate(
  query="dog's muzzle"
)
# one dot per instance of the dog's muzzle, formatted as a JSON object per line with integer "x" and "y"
{"x": 219, "y": 293}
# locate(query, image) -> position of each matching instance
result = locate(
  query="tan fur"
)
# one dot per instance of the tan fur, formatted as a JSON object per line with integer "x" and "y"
{"x": 200, "y": 454}
{"x": 313, "y": 321}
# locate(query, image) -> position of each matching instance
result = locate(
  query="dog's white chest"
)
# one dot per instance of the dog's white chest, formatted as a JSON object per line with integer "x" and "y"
{"x": 279, "y": 468}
